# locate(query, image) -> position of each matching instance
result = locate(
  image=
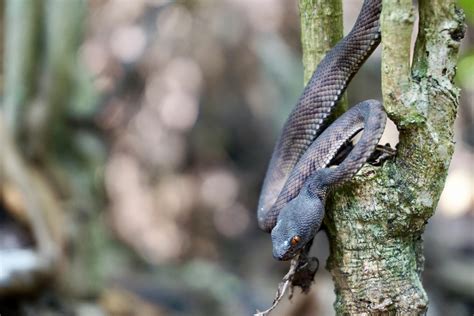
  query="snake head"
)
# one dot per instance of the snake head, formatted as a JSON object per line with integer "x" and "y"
{"x": 297, "y": 224}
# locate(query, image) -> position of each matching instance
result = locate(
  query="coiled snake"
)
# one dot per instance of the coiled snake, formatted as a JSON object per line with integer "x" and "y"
{"x": 299, "y": 176}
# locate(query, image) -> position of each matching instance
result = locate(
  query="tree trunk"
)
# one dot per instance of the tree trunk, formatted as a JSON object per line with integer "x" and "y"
{"x": 375, "y": 221}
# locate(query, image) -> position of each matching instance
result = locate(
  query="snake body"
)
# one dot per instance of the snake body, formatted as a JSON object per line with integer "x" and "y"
{"x": 291, "y": 204}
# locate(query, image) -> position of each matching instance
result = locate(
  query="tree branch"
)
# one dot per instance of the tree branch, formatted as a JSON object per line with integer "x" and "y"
{"x": 375, "y": 221}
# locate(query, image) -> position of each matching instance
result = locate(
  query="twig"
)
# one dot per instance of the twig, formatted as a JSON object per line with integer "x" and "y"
{"x": 282, "y": 287}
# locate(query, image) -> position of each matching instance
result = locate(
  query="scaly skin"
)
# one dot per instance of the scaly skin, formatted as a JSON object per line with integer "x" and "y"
{"x": 298, "y": 177}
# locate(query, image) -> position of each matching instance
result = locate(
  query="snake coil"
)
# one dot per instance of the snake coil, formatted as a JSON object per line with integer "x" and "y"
{"x": 291, "y": 204}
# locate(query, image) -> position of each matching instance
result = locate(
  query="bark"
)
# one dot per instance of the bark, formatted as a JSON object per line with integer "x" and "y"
{"x": 375, "y": 222}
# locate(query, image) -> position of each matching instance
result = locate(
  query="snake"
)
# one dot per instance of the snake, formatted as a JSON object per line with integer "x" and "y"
{"x": 301, "y": 172}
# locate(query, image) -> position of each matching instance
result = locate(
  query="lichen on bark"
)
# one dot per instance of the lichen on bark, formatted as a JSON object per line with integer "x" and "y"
{"x": 375, "y": 221}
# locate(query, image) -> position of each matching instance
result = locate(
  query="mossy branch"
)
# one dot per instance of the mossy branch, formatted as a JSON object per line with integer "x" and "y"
{"x": 375, "y": 221}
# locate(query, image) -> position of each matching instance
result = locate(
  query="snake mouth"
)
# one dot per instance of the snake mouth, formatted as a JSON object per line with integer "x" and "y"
{"x": 286, "y": 254}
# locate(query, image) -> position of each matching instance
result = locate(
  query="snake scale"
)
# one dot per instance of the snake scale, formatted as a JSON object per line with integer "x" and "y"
{"x": 299, "y": 176}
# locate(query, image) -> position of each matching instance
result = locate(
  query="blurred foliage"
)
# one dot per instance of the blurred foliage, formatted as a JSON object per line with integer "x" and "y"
{"x": 465, "y": 73}
{"x": 468, "y": 7}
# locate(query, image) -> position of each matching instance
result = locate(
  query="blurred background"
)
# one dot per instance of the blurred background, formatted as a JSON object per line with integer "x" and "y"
{"x": 134, "y": 138}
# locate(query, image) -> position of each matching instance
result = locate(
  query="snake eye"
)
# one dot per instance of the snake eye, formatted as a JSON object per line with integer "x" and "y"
{"x": 295, "y": 240}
